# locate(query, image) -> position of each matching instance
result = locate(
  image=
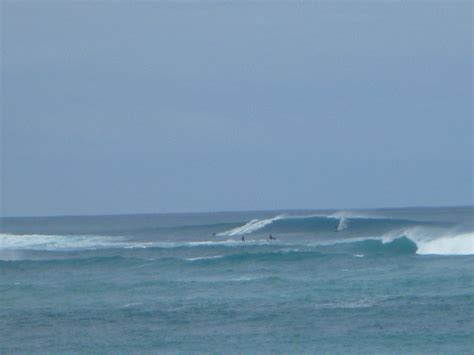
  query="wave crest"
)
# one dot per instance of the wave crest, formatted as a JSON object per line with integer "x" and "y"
{"x": 432, "y": 241}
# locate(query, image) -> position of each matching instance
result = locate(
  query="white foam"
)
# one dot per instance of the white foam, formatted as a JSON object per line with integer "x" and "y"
{"x": 435, "y": 241}
{"x": 429, "y": 240}
{"x": 11, "y": 242}
{"x": 256, "y": 224}
{"x": 342, "y": 224}
{"x": 205, "y": 257}
{"x": 461, "y": 244}
{"x": 61, "y": 242}
{"x": 348, "y": 304}
{"x": 247, "y": 278}
{"x": 352, "y": 214}
{"x": 250, "y": 227}
{"x": 133, "y": 304}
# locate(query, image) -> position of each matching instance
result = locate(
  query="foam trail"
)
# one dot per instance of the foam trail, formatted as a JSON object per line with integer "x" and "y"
{"x": 62, "y": 242}
{"x": 250, "y": 227}
{"x": 12, "y": 242}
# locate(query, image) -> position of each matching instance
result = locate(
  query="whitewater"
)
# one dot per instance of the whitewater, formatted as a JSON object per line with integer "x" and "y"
{"x": 346, "y": 281}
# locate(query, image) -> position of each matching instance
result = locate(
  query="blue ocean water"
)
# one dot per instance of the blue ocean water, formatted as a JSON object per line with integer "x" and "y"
{"x": 368, "y": 281}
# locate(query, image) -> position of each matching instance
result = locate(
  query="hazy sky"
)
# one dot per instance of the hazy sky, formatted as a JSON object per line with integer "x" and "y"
{"x": 116, "y": 107}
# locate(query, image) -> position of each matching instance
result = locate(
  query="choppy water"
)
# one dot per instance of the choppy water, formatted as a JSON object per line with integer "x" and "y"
{"x": 379, "y": 281}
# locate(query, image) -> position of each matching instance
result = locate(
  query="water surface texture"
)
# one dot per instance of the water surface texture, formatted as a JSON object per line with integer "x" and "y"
{"x": 373, "y": 281}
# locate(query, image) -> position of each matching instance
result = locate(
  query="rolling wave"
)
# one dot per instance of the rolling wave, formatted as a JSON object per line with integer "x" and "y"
{"x": 420, "y": 239}
{"x": 312, "y": 223}
{"x": 444, "y": 244}
{"x": 250, "y": 227}
{"x": 368, "y": 247}
{"x": 41, "y": 242}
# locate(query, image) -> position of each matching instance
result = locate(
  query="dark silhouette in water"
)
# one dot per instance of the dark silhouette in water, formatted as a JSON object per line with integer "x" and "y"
{"x": 243, "y": 238}
{"x": 271, "y": 237}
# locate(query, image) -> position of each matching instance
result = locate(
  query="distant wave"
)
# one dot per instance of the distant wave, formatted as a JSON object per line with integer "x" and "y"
{"x": 339, "y": 221}
{"x": 258, "y": 224}
{"x": 250, "y": 227}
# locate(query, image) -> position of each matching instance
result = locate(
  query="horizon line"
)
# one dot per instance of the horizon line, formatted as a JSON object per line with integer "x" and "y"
{"x": 237, "y": 211}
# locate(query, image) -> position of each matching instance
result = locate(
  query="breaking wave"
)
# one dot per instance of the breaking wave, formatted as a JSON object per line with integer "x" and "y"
{"x": 40, "y": 242}
{"x": 312, "y": 223}
{"x": 443, "y": 244}
{"x": 420, "y": 240}
{"x": 431, "y": 241}
{"x": 252, "y": 226}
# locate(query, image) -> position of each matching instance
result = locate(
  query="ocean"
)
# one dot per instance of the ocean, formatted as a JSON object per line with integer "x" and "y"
{"x": 382, "y": 281}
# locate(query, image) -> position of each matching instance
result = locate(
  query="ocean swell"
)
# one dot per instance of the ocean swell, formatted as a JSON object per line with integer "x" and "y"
{"x": 336, "y": 222}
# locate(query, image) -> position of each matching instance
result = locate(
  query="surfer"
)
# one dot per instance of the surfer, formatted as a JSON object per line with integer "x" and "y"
{"x": 243, "y": 238}
{"x": 271, "y": 237}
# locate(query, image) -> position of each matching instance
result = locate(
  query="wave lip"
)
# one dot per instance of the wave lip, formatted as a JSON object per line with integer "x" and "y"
{"x": 435, "y": 241}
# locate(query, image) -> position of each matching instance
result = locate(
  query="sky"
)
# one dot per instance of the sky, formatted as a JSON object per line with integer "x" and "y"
{"x": 160, "y": 106}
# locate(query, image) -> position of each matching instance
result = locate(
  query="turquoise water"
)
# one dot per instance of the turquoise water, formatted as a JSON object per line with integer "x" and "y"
{"x": 377, "y": 281}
